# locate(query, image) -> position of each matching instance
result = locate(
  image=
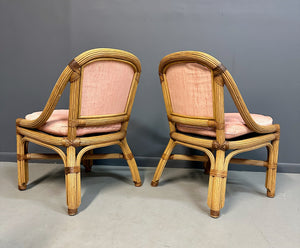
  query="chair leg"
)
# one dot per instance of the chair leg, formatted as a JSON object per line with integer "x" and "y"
{"x": 22, "y": 149}
{"x": 272, "y": 169}
{"x": 72, "y": 177}
{"x": 131, "y": 163}
{"x": 206, "y": 166}
{"x": 162, "y": 162}
{"x": 217, "y": 185}
{"x": 88, "y": 163}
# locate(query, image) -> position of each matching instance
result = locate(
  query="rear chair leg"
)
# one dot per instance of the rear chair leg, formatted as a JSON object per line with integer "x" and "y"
{"x": 88, "y": 163}
{"x": 162, "y": 162}
{"x": 131, "y": 163}
{"x": 22, "y": 149}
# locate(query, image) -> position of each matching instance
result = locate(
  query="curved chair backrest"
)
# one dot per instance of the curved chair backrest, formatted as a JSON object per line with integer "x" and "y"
{"x": 106, "y": 84}
{"x": 190, "y": 88}
{"x": 193, "y": 87}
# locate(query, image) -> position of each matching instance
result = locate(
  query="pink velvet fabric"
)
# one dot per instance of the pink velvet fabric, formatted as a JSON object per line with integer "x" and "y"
{"x": 234, "y": 126}
{"x": 57, "y": 124}
{"x": 105, "y": 87}
{"x": 190, "y": 87}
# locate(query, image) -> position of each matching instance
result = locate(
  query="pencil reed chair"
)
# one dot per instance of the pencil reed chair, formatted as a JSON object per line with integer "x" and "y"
{"x": 193, "y": 89}
{"x": 103, "y": 84}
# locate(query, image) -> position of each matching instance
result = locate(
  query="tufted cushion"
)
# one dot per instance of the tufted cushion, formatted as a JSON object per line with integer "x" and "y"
{"x": 57, "y": 124}
{"x": 234, "y": 126}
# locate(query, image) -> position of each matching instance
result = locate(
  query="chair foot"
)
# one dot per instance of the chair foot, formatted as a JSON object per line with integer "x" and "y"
{"x": 270, "y": 194}
{"x": 214, "y": 214}
{"x": 137, "y": 184}
{"x": 72, "y": 212}
{"x": 22, "y": 187}
{"x": 154, "y": 184}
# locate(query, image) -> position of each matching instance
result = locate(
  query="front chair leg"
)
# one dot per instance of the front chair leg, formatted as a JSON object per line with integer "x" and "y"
{"x": 22, "y": 149}
{"x": 131, "y": 163}
{"x": 162, "y": 163}
{"x": 217, "y": 185}
{"x": 272, "y": 168}
{"x": 73, "y": 184}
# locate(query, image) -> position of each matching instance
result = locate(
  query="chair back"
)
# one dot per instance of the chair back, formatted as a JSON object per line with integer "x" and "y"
{"x": 103, "y": 86}
{"x": 191, "y": 90}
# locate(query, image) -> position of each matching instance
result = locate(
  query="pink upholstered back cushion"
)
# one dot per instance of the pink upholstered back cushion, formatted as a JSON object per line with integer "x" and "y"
{"x": 234, "y": 126}
{"x": 105, "y": 87}
{"x": 190, "y": 87}
{"x": 57, "y": 124}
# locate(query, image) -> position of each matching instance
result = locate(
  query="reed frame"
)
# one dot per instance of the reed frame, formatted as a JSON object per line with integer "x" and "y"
{"x": 215, "y": 160}
{"x": 27, "y": 130}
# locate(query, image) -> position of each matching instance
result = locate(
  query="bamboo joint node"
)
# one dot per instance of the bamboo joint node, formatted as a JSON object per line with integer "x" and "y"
{"x": 70, "y": 170}
{"x": 218, "y": 173}
{"x": 217, "y": 146}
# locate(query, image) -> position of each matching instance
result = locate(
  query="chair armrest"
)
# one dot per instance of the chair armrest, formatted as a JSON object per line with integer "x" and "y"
{"x": 242, "y": 108}
{"x": 51, "y": 103}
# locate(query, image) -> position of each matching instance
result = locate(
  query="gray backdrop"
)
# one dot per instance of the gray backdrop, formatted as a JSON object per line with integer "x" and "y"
{"x": 258, "y": 41}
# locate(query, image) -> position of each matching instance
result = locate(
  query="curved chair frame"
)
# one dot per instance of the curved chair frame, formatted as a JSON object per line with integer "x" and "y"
{"x": 27, "y": 130}
{"x": 217, "y": 165}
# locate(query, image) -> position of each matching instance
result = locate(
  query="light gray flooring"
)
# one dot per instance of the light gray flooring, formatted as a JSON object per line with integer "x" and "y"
{"x": 114, "y": 213}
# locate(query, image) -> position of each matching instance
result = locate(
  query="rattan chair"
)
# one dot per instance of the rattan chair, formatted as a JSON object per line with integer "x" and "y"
{"x": 103, "y": 84}
{"x": 193, "y": 88}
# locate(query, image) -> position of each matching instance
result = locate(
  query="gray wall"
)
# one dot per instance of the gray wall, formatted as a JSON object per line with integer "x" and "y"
{"x": 258, "y": 41}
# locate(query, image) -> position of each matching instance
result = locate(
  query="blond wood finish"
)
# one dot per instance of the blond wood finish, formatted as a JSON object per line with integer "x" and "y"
{"x": 27, "y": 130}
{"x": 215, "y": 159}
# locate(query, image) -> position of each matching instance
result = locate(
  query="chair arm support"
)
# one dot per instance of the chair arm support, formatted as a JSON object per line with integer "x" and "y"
{"x": 51, "y": 103}
{"x": 242, "y": 108}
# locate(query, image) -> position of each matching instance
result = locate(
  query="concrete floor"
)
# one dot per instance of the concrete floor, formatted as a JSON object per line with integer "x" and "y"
{"x": 114, "y": 213}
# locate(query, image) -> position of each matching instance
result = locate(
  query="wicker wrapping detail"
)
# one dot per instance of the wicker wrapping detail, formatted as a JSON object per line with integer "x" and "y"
{"x": 21, "y": 157}
{"x": 72, "y": 123}
{"x": 220, "y": 126}
{"x": 219, "y": 70}
{"x": 272, "y": 166}
{"x": 70, "y": 170}
{"x": 68, "y": 142}
{"x": 165, "y": 156}
{"x": 217, "y": 146}
{"x": 218, "y": 173}
{"x": 128, "y": 156}
{"x": 75, "y": 67}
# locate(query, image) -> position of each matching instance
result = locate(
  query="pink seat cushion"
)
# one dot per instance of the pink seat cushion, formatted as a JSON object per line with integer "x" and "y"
{"x": 234, "y": 126}
{"x": 57, "y": 124}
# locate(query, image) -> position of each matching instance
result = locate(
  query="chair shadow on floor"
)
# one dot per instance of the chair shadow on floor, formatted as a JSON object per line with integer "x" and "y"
{"x": 92, "y": 183}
